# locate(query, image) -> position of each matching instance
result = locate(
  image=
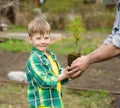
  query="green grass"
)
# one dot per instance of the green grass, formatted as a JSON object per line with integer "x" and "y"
{"x": 13, "y": 95}
{"x": 102, "y": 30}
{"x": 67, "y": 45}
{"x": 14, "y": 45}
{"x": 16, "y": 28}
{"x": 86, "y": 99}
{"x": 63, "y": 47}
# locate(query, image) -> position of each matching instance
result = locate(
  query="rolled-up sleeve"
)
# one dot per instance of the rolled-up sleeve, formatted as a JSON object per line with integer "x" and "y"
{"x": 108, "y": 39}
{"x": 116, "y": 40}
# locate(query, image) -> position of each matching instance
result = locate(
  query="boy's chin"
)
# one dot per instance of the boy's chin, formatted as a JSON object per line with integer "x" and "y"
{"x": 42, "y": 50}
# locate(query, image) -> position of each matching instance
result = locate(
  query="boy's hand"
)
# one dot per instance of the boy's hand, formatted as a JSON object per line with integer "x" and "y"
{"x": 66, "y": 73}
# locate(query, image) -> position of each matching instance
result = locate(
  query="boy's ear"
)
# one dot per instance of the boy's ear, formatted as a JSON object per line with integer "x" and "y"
{"x": 29, "y": 40}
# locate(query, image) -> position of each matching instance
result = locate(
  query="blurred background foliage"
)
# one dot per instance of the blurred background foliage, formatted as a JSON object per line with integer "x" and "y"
{"x": 94, "y": 15}
{"x": 60, "y": 13}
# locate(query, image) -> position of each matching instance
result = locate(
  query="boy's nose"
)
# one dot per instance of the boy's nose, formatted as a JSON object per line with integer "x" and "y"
{"x": 42, "y": 40}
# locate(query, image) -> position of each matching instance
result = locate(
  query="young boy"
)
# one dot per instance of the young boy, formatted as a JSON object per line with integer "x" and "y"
{"x": 44, "y": 74}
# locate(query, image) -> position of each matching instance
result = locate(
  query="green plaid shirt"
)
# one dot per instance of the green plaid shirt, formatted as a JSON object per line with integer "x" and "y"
{"x": 42, "y": 84}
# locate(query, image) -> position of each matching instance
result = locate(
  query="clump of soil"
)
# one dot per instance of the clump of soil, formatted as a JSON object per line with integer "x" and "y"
{"x": 72, "y": 57}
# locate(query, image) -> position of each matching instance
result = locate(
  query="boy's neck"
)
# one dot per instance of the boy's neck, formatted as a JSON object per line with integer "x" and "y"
{"x": 45, "y": 52}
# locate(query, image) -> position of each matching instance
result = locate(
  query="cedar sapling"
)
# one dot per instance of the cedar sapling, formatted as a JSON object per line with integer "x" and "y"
{"x": 75, "y": 28}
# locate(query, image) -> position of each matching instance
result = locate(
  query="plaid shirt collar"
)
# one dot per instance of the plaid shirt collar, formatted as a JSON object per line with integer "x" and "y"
{"x": 41, "y": 54}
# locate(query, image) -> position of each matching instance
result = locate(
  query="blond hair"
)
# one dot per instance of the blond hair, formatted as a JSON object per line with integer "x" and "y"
{"x": 38, "y": 26}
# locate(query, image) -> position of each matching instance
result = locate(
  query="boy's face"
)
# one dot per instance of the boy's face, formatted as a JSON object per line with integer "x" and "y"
{"x": 40, "y": 41}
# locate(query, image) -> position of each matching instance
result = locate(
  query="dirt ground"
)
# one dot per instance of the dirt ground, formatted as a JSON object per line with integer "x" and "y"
{"x": 99, "y": 76}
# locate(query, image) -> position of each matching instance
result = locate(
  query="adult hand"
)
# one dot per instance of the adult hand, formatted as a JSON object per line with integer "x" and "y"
{"x": 78, "y": 66}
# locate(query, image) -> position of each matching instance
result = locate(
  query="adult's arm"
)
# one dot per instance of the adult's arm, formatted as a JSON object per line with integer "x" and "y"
{"x": 102, "y": 53}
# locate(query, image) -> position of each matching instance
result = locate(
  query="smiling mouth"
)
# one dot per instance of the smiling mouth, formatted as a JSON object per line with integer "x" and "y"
{"x": 42, "y": 46}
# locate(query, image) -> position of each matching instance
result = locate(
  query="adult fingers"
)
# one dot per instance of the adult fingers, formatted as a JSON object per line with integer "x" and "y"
{"x": 71, "y": 68}
{"x": 77, "y": 74}
{"x": 74, "y": 70}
